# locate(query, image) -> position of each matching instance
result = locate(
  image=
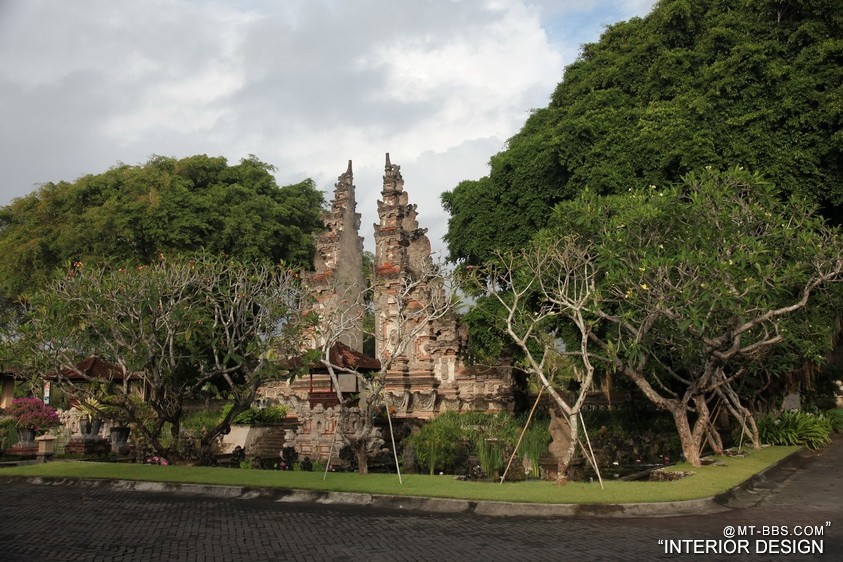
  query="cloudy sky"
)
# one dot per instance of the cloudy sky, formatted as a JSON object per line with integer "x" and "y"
{"x": 304, "y": 85}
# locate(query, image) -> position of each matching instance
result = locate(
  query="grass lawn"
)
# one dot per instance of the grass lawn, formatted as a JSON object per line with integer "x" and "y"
{"x": 707, "y": 481}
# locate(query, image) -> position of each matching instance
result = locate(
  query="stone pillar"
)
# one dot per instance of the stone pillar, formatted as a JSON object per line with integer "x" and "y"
{"x": 337, "y": 280}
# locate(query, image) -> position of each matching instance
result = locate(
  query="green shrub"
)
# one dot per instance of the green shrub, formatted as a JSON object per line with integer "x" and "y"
{"x": 270, "y": 414}
{"x": 490, "y": 454}
{"x": 835, "y": 418}
{"x": 796, "y": 428}
{"x": 8, "y": 433}
{"x": 535, "y": 443}
{"x": 436, "y": 443}
{"x": 439, "y": 441}
{"x": 195, "y": 422}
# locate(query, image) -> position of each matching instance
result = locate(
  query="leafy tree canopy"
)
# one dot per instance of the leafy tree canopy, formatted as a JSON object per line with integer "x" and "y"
{"x": 166, "y": 206}
{"x": 698, "y": 292}
{"x": 695, "y": 83}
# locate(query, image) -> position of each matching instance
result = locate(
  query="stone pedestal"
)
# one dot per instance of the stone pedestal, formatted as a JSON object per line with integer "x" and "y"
{"x": 25, "y": 448}
{"x": 88, "y": 445}
{"x": 46, "y": 447}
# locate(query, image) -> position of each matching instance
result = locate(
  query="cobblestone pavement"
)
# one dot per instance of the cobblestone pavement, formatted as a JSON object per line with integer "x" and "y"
{"x": 41, "y": 522}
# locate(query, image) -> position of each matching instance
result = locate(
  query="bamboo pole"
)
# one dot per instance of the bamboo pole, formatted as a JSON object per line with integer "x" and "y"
{"x": 394, "y": 450}
{"x": 591, "y": 451}
{"x": 331, "y": 452}
{"x": 523, "y": 431}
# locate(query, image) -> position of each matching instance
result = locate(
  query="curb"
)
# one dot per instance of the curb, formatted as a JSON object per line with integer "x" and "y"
{"x": 726, "y": 501}
{"x": 750, "y": 491}
{"x": 398, "y": 503}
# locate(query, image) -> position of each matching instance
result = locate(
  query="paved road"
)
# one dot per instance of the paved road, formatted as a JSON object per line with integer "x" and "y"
{"x": 39, "y": 522}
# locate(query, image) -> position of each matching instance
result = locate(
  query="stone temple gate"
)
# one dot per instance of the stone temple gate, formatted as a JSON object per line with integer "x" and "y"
{"x": 430, "y": 377}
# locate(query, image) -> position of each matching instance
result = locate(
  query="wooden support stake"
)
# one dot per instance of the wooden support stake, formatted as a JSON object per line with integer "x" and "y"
{"x": 591, "y": 451}
{"x": 331, "y": 452}
{"x": 523, "y": 431}
{"x": 394, "y": 450}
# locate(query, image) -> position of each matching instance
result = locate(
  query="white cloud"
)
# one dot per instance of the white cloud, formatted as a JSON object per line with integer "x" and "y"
{"x": 304, "y": 85}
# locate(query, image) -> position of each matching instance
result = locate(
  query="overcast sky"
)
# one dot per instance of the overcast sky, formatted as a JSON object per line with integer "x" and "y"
{"x": 304, "y": 85}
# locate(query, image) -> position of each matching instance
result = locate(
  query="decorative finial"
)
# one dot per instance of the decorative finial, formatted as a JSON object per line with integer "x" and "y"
{"x": 349, "y": 168}
{"x": 388, "y": 164}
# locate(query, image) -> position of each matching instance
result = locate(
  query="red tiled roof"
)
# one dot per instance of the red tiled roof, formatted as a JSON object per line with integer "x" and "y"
{"x": 341, "y": 356}
{"x": 344, "y": 356}
{"x": 92, "y": 368}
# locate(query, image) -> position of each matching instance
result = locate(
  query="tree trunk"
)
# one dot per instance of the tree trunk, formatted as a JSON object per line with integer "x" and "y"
{"x": 573, "y": 428}
{"x": 563, "y": 445}
{"x": 714, "y": 439}
{"x": 691, "y": 442}
{"x": 704, "y": 427}
{"x": 362, "y": 456}
{"x": 741, "y": 413}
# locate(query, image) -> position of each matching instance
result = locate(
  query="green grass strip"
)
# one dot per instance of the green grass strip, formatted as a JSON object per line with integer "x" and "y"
{"x": 707, "y": 481}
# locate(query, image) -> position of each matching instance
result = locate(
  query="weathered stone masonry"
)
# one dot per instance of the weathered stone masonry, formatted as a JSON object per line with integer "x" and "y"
{"x": 337, "y": 280}
{"x": 431, "y": 376}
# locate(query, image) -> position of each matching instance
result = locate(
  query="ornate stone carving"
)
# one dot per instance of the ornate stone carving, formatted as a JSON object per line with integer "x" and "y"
{"x": 400, "y": 402}
{"x": 430, "y": 377}
{"x": 424, "y": 400}
{"x": 450, "y": 405}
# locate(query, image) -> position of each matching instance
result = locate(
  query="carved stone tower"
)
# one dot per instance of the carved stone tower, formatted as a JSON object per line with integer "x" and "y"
{"x": 425, "y": 374}
{"x": 338, "y": 266}
{"x": 402, "y": 250}
{"x": 424, "y": 377}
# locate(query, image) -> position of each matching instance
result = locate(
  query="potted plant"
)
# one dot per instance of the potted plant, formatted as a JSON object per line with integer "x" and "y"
{"x": 91, "y": 421}
{"x": 119, "y": 432}
{"x": 31, "y": 415}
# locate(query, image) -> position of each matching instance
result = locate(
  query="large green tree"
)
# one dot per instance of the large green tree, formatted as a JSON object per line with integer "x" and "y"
{"x": 167, "y": 206}
{"x": 694, "y": 293}
{"x": 701, "y": 286}
{"x": 757, "y": 83}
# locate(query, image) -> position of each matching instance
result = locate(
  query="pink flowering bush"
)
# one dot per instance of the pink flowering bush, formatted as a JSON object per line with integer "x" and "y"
{"x": 33, "y": 413}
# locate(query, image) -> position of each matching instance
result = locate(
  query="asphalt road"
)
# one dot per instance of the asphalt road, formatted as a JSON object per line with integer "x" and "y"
{"x": 49, "y": 522}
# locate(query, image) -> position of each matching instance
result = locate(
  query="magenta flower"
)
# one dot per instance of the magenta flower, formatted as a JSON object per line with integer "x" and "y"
{"x": 32, "y": 413}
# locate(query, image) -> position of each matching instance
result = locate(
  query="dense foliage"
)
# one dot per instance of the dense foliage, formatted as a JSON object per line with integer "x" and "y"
{"x": 269, "y": 414}
{"x": 705, "y": 286}
{"x": 799, "y": 428}
{"x": 756, "y": 83}
{"x": 446, "y": 442}
{"x": 133, "y": 214}
{"x": 688, "y": 292}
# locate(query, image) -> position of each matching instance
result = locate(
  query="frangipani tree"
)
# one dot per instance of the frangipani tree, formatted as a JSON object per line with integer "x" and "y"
{"x": 180, "y": 326}
{"x": 547, "y": 287}
{"x": 698, "y": 283}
